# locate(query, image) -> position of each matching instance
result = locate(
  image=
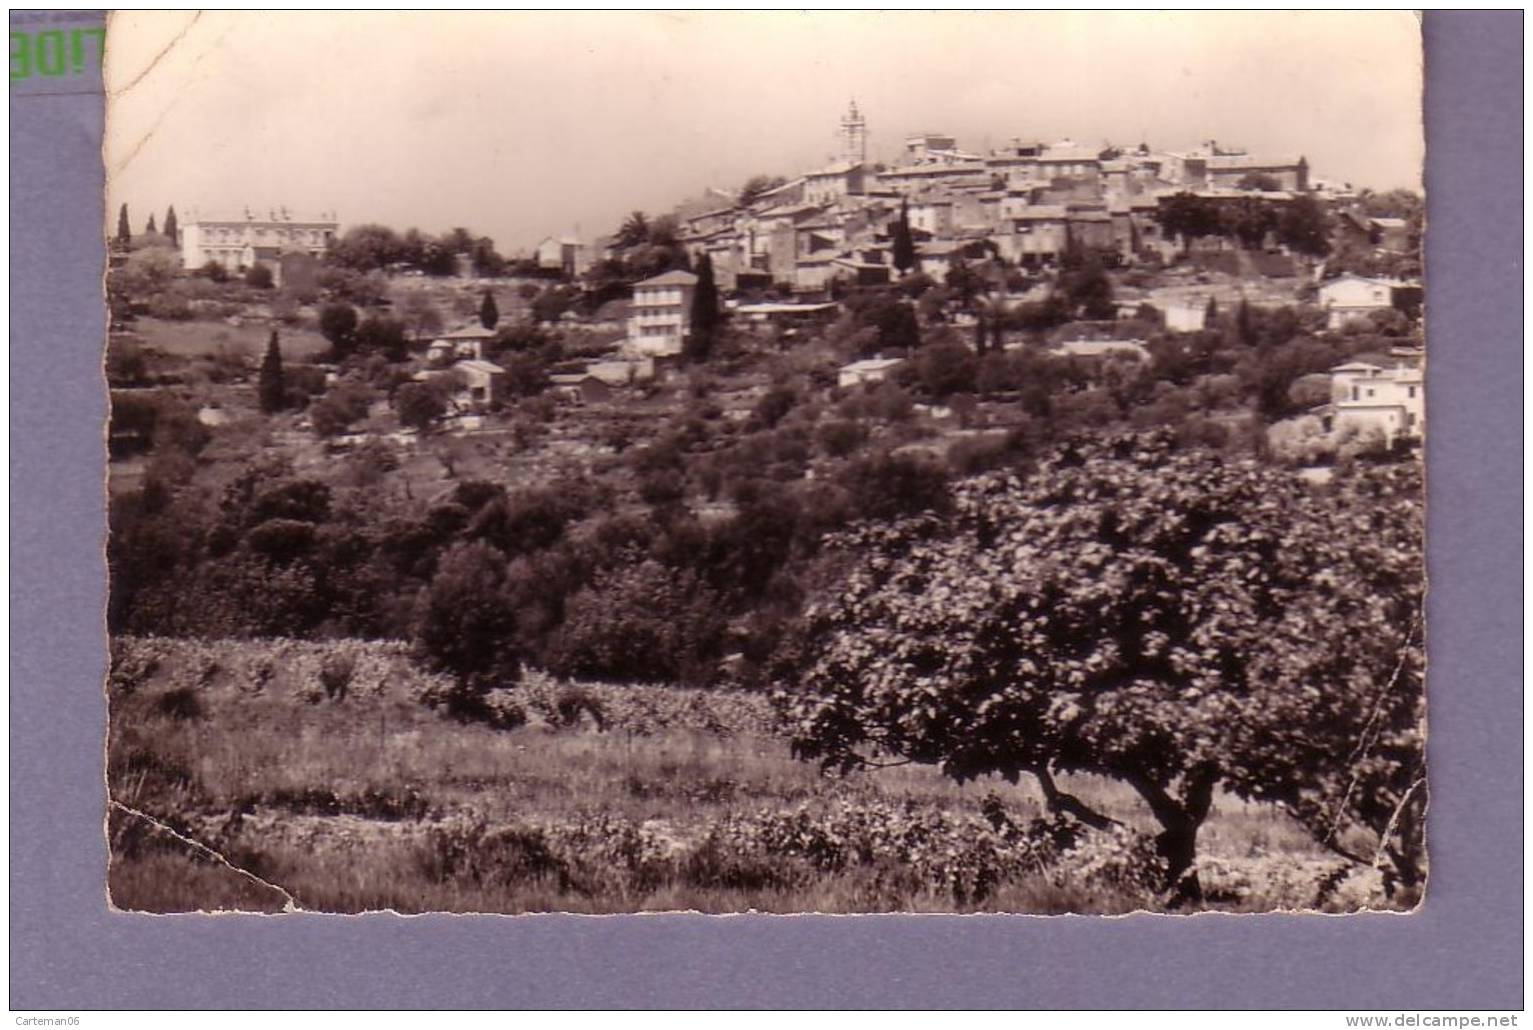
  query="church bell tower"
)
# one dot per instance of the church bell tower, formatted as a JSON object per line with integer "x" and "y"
{"x": 854, "y": 135}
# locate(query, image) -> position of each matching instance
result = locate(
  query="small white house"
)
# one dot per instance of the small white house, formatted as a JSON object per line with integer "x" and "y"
{"x": 1186, "y": 315}
{"x": 1354, "y": 296}
{"x": 475, "y": 385}
{"x": 868, "y": 370}
{"x": 466, "y": 341}
{"x": 568, "y": 255}
{"x": 1134, "y": 349}
{"x": 1369, "y": 399}
{"x": 622, "y": 372}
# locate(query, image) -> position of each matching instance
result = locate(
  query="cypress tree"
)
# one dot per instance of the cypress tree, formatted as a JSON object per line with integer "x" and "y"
{"x": 489, "y": 314}
{"x": 123, "y": 233}
{"x": 904, "y": 250}
{"x": 150, "y": 230}
{"x": 705, "y": 312}
{"x": 171, "y": 228}
{"x": 1245, "y": 328}
{"x": 272, "y": 387}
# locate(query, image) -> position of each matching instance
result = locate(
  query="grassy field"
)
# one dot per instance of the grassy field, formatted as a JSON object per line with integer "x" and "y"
{"x": 247, "y": 776}
{"x": 198, "y": 339}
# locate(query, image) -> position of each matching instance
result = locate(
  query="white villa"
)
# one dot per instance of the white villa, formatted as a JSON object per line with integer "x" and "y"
{"x": 238, "y": 242}
{"x": 661, "y": 314}
{"x": 1368, "y": 398}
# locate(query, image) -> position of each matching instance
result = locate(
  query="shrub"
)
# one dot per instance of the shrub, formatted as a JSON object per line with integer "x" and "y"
{"x": 304, "y": 500}
{"x": 946, "y": 368}
{"x": 419, "y": 405}
{"x": 662, "y": 486}
{"x": 172, "y": 307}
{"x": 372, "y": 459}
{"x": 574, "y": 703}
{"x": 284, "y": 308}
{"x": 281, "y": 540}
{"x": 975, "y": 454}
{"x": 132, "y": 666}
{"x": 840, "y": 438}
{"x": 385, "y": 336}
{"x": 774, "y": 404}
{"x": 259, "y": 277}
{"x": 308, "y": 380}
{"x": 338, "y": 324}
{"x": 526, "y": 522}
{"x": 125, "y": 364}
{"x": 891, "y": 403}
{"x": 526, "y": 375}
{"x": 464, "y": 625}
{"x": 335, "y": 674}
{"x": 180, "y": 703}
{"x": 643, "y": 623}
{"x": 334, "y": 413}
{"x": 886, "y": 486}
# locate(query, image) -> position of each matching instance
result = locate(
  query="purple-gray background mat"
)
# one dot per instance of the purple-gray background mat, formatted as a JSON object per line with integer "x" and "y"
{"x": 1464, "y": 950}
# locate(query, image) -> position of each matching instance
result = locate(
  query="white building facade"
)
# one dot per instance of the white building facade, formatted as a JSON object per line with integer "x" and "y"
{"x": 1355, "y": 296}
{"x": 248, "y": 239}
{"x": 1367, "y": 399}
{"x": 661, "y": 314}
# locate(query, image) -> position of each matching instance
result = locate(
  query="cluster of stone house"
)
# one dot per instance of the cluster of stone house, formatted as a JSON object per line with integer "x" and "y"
{"x": 1027, "y": 202}
{"x": 458, "y": 355}
{"x": 656, "y": 332}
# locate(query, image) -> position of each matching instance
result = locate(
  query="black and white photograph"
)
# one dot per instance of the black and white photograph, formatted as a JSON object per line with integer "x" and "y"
{"x": 780, "y": 462}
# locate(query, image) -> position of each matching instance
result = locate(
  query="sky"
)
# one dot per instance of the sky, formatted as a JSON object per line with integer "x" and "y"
{"x": 523, "y": 125}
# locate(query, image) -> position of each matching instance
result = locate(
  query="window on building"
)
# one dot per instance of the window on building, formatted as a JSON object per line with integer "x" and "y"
{"x": 1410, "y": 391}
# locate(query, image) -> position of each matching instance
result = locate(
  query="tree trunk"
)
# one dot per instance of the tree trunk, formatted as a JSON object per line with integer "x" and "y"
{"x": 1177, "y": 845}
{"x": 1180, "y": 820}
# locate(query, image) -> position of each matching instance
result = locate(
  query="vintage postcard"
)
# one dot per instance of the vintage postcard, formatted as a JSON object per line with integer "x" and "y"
{"x": 765, "y": 461}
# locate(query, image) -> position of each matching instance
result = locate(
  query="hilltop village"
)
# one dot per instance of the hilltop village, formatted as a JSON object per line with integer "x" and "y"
{"x": 760, "y": 365}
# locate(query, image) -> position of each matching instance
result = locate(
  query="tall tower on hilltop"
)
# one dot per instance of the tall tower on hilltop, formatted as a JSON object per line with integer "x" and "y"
{"x": 854, "y": 135}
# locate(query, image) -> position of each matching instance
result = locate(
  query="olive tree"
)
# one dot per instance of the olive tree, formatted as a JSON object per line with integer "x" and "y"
{"x": 1167, "y": 618}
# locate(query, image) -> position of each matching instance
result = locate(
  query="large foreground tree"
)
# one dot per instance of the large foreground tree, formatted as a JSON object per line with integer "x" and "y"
{"x": 1170, "y": 619}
